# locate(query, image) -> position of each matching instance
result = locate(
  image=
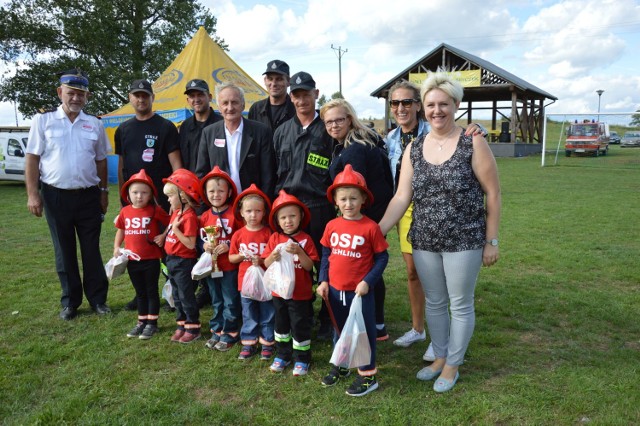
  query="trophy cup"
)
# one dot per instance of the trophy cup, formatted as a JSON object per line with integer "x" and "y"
{"x": 212, "y": 234}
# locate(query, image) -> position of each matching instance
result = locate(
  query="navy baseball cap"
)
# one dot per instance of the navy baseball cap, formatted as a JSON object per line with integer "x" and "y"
{"x": 278, "y": 67}
{"x": 141, "y": 86}
{"x": 302, "y": 80}
{"x": 196, "y": 84}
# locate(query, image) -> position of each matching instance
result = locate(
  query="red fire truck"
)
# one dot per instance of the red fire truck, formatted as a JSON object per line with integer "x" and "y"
{"x": 590, "y": 136}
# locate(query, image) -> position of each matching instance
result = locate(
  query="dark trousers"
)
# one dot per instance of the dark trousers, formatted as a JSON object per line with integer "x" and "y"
{"x": 340, "y": 305}
{"x": 320, "y": 216}
{"x": 379, "y": 294}
{"x": 144, "y": 276}
{"x": 293, "y": 329}
{"x": 70, "y": 213}
{"x": 184, "y": 292}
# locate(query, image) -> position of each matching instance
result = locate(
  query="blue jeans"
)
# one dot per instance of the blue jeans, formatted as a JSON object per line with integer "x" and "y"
{"x": 449, "y": 279}
{"x": 258, "y": 319}
{"x": 225, "y": 300}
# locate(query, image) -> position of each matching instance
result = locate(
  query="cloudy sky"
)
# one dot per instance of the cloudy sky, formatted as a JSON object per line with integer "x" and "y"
{"x": 568, "y": 48}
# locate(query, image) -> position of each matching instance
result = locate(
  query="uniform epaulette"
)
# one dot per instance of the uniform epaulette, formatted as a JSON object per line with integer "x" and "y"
{"x": 44, "y": 111}
{"x": 93, "y": 115}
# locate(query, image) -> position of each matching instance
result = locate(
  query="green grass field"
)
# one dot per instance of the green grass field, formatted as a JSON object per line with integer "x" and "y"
{"x": 557, "y": 337}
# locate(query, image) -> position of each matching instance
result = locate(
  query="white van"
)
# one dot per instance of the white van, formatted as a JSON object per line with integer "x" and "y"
{"x": 13, "y": 145}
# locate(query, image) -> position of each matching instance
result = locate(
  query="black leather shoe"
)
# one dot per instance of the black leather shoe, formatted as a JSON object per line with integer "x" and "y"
{"x": 101, "y": 309}
{"x": 68, "y": 313}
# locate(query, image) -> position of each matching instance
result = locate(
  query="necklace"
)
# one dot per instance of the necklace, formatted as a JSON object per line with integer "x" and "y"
{"x": 446, "y": 138}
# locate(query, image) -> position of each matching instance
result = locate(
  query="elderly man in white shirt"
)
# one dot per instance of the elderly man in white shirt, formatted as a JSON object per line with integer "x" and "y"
{"x": 66, "y": 177}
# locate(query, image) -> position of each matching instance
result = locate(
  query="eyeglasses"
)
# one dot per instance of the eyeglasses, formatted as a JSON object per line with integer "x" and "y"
{"x": 338, "y": 121}
{"x": 405, "y": 103}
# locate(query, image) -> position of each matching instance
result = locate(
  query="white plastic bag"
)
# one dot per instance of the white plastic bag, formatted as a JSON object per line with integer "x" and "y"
{"x": 280, "y": 276}
{"x": 352, "y": 349}
{"x": 117, "y": 265}
{"x": 203, "y": 267}
{"x": 253, "y": 286}
{"x": 167, "y": 293}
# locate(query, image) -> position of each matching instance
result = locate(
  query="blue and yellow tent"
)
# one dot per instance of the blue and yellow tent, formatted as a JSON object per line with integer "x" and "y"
{"x": 201, "y": 58}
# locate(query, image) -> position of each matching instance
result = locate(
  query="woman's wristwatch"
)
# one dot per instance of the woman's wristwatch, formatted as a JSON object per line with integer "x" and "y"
{"x": 493, "y": 242}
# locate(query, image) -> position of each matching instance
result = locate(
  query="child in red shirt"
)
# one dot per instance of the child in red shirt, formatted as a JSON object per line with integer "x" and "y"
{"x": 139, "y": 228}
{"x": 219, "y": 193}
{"x": 293, "y": 317}
{"x": 354, "y": 256}
{"x": 183, "y": 190}
{"x": 247, "y": 245}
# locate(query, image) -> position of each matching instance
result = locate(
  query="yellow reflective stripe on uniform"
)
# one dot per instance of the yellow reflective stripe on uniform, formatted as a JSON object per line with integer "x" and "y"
{"x": 318, "y": 160}
{"x": 283, "y": 338}
{"x": 302, "y": 346}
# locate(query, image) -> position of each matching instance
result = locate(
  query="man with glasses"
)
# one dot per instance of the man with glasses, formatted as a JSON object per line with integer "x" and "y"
{"x": 277, "y": 108}
{"x": 303, "y": 153}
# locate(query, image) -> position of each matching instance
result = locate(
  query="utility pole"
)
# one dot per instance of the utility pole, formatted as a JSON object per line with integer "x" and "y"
{"x": 340, "y": 54}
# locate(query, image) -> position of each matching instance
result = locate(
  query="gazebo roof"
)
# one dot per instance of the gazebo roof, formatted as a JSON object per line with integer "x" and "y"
{"x": 497, "y": 84}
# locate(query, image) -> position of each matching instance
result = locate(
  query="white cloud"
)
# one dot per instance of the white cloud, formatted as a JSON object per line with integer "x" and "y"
{"x": 569, "y": 48}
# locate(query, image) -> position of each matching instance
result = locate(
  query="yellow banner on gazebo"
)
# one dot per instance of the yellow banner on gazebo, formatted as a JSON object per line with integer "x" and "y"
{"x": 471, "y": 78}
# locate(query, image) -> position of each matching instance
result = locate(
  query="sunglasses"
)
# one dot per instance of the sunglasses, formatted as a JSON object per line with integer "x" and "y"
{"x": 405, "y": 103}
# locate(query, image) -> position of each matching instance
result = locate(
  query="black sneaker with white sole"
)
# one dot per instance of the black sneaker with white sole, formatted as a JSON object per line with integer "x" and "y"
{"x": 148, "y": 332}
{"x": 362, "y": 385}
{"x": 137, "y": 330}
{"x": 335, "y": 375}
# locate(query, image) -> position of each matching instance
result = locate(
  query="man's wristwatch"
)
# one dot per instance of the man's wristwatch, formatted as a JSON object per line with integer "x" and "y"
{"x": 493, "y": 242}
{"x": 105, "y": 189}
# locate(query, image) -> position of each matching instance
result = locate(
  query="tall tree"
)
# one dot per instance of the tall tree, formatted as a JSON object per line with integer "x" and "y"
{"x": 115, "y": 41}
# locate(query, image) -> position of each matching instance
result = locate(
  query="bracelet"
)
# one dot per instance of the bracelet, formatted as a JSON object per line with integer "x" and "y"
{"x": 105, "y": 189}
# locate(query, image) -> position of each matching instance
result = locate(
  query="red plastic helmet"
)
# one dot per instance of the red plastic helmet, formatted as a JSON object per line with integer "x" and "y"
{"x": 140, "y": 177}
{"x": 252, "y": 190}
{"x": 284, "y": 200}
{"x": 219, "y": 173}
{"x": 349, "y": 177}
{"x": 187, "y": 181}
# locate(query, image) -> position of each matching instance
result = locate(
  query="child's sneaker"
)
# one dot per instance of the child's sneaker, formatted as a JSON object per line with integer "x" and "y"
{"x": 247, "y": 352}
{"x": 189, "y": 337}
{"x": 335, "y": 375}
{"x": 279, "y": 365}
{"x": 137, "y": 330}
{"x": 223, "y": 346}
{"x": 211, "y": 343}
{"x": 381, "y": 334}
{"x": 177, "y": 335}
{"x": 300, "y": 369}
{"x": 266, "y": 353}
{"x": 148, "y": 332}
{"x": 362, "y": 385}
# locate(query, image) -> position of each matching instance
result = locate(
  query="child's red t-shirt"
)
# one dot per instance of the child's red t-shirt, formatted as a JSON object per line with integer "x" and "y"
{"x": 303, "y": 289}
{"x": 189, "y": 227}
{"x": 228, "y": 225}
{"x": 353, "y": 244}
{"x": 140, "y": 226}
{"x": 252, "y": 241}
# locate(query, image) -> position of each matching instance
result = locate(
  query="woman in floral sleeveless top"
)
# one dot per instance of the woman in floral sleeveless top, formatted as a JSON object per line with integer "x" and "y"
{"x": 450, "y": 177}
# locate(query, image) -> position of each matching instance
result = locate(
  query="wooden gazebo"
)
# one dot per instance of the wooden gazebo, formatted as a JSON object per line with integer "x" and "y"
{"x": 489, "y": 88}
